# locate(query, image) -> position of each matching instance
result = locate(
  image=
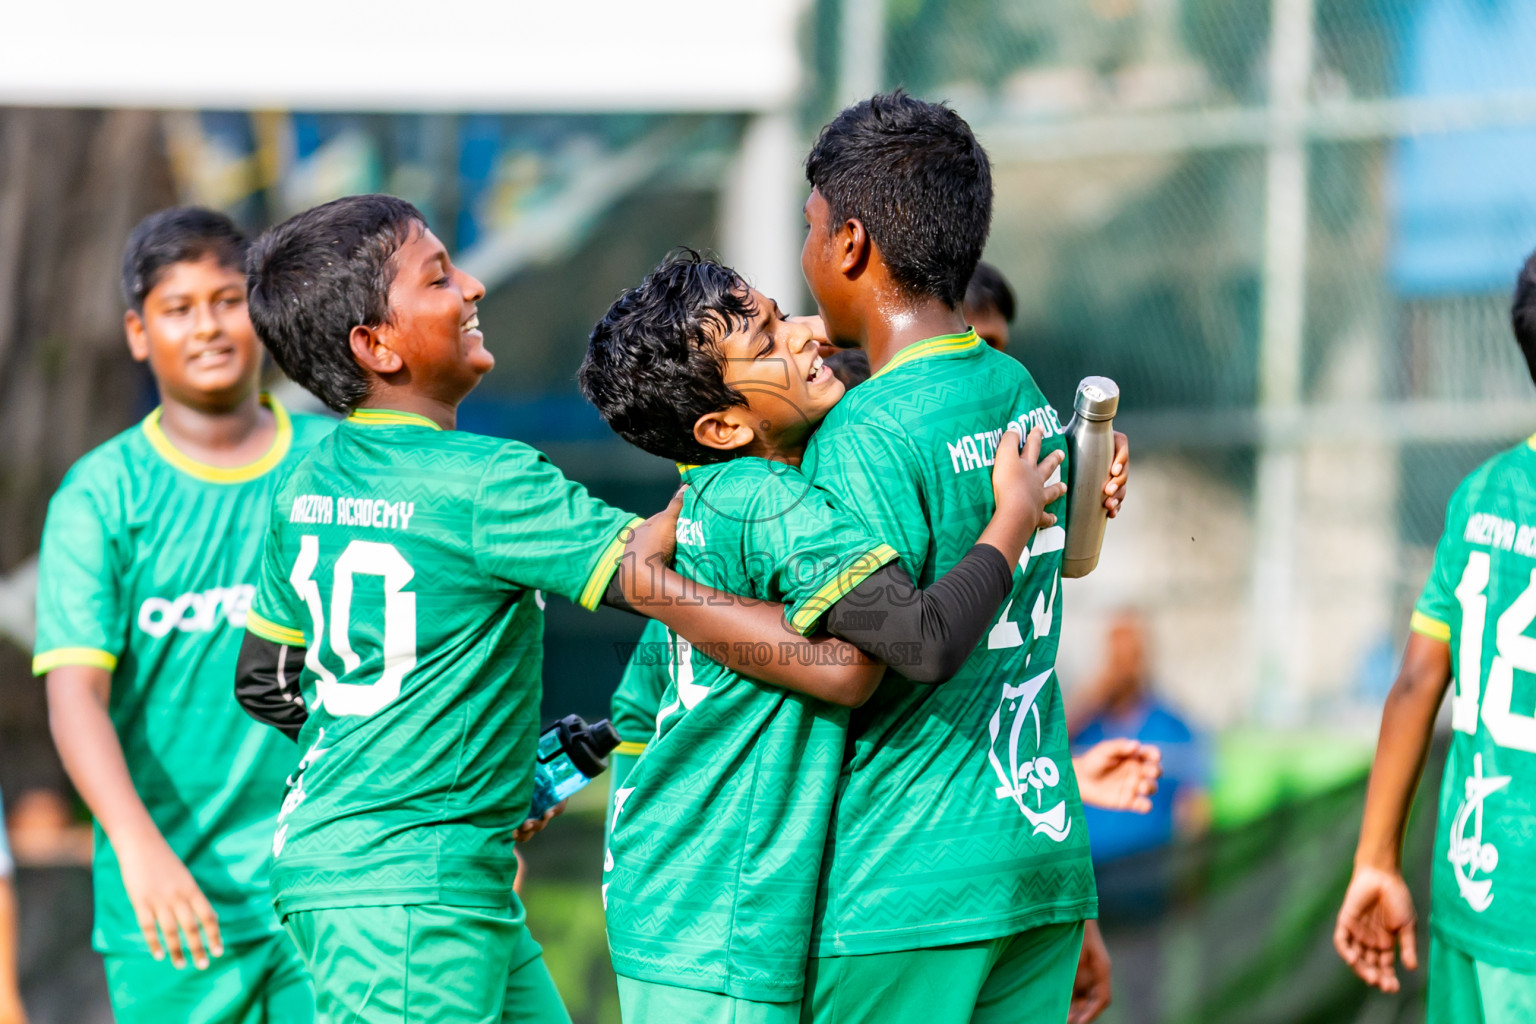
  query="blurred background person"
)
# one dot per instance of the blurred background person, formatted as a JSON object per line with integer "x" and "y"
{"x": 1120, "y": 703}
{"x": 990, "y": 305}
{"x": 44, "y": 832}
{"x": 11, "y": 1011}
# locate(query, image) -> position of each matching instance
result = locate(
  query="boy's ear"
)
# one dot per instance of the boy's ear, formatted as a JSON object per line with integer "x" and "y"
{"x": 726, "y": 430}
{"x": 373, "y": 352}
{"x": 138, "y": 341}
{"x": 853, "y": 246}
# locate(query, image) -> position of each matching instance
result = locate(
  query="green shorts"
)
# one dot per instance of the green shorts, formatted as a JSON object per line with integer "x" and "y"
{"x": 1467, "y": 991}
{"x": 262, "y": 982}
{"x": 1018, "y": 978}
{"x": 649, "y": 1002}
{"x": 425, "y": 962}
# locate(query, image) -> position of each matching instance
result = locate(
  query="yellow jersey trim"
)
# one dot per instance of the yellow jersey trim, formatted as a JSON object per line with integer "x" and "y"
{"x": 91, "y": 657}
{"x": 1432, "y": 628}
{"x": 808, "y": 614}
{"x": 632, "y": 749}
{"x": 1531, "y": 442}
{"x": 275, "y": 632}
{"x": 224, "y": 474}
{"x": 944, "y": 344}
{"x": 607, "y": 564}
{"x": 389, "y": 418}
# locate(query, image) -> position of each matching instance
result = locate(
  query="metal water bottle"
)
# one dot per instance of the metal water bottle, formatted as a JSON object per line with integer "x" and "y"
{"x": 1090, "y": 449}
{"x": 571, "y": 754}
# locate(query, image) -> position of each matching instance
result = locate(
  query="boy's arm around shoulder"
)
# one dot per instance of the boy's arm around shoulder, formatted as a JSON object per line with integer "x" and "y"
{"x": 929, "y": 634}
{"x": 537, "y": 529}
{"x": 746, "y": 635}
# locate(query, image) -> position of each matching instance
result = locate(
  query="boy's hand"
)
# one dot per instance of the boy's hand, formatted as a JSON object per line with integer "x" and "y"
{"x": 1091, "y": 988}
{"x": 1019, "y": 480}
{"x": 167, "y": 901}
{"x": 1119, "y": 472}
{"x": 1119, "y": 775}
{"x": 1376, "y": 916}
{"x": 648, "y": 551}
{"x": 533, "y": 826}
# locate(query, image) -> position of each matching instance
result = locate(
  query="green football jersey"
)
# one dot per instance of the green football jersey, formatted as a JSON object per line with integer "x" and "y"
{"x": 958, "y": 817}
{"x": 410, "y": 563}
{"x": 638, "y": 696}
{"x": 718, "y": 832}
{"x": 1481, "y": 599}
{"x": 148, "y": 565}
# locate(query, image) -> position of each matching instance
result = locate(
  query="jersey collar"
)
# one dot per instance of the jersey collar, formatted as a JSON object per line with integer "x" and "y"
{"x": 389, "y": 418}
{"x": 281, "y": 442}
{"x": 943, "y": 345}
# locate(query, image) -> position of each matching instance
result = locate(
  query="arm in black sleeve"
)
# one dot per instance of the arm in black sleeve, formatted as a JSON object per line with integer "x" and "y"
{"x": 926, "y": 635}
{"x": 267, "y": 684}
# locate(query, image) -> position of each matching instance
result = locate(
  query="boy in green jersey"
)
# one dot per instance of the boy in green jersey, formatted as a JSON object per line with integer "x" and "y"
{"x": 636, "y": 700}
{"x": 1472, "y": 623}
{"x": 987, "y": 923}
{"x": 718, "y": 832}
{"x": 397, "y": 627}
{"x": 148, "y": 566}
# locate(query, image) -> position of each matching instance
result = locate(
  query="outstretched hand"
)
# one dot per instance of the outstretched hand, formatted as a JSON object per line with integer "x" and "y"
{"x": 1376, "y": 918}
{"x": 1119, "y": 775}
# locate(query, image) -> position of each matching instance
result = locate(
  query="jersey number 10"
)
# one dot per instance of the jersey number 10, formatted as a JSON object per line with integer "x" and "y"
{"x": 366, "y": 558}
{"x": 1514, "y": 651}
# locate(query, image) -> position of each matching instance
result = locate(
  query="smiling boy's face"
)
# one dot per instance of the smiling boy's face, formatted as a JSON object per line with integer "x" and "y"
{"x": 196, "y": 335}
{"x": 434, "y": 322}
{"x": 775, "y": 363}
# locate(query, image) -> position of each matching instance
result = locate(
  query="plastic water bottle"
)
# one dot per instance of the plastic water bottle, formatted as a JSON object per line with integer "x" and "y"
{"x": 571, "y": 754}
{"x": 1090, "y": 449}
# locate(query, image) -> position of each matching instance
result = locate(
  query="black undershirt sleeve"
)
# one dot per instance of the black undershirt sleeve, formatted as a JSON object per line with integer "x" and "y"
{"x": 267, "y": 684}
{"x": 925, "y": 635}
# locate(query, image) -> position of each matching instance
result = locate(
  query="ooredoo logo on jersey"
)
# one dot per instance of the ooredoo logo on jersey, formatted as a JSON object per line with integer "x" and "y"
{"x": 197, "y": 612}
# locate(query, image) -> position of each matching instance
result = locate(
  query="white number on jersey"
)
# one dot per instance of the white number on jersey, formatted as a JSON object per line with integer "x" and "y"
{"x": 1514, "y": 651}
{"x": 365, "y": 558}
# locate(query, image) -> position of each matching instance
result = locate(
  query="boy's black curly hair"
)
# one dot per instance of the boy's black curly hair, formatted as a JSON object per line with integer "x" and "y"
{"x": 653, "y": 365}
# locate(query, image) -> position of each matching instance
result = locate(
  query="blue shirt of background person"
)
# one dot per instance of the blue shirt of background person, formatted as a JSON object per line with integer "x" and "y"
{"x": 1118, "y": 704}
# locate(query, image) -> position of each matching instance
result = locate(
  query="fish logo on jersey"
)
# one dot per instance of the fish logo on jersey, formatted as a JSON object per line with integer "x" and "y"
{"x": 1468, "y": 854}
{"x": 1025, "y": 781}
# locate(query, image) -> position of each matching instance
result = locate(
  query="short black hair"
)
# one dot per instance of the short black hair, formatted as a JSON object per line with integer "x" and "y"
{"x": 914, "y": 174}
{"x": 319, "y": 274}
{"x": 181, "y": 234}
{"x": 653, "y": 363}
{"x": 1522, "y": 313}
{"x": 989, "y": 289}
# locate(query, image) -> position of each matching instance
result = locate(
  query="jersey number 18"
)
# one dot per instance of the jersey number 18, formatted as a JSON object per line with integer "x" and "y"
{"x": 1514, "y": 650}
